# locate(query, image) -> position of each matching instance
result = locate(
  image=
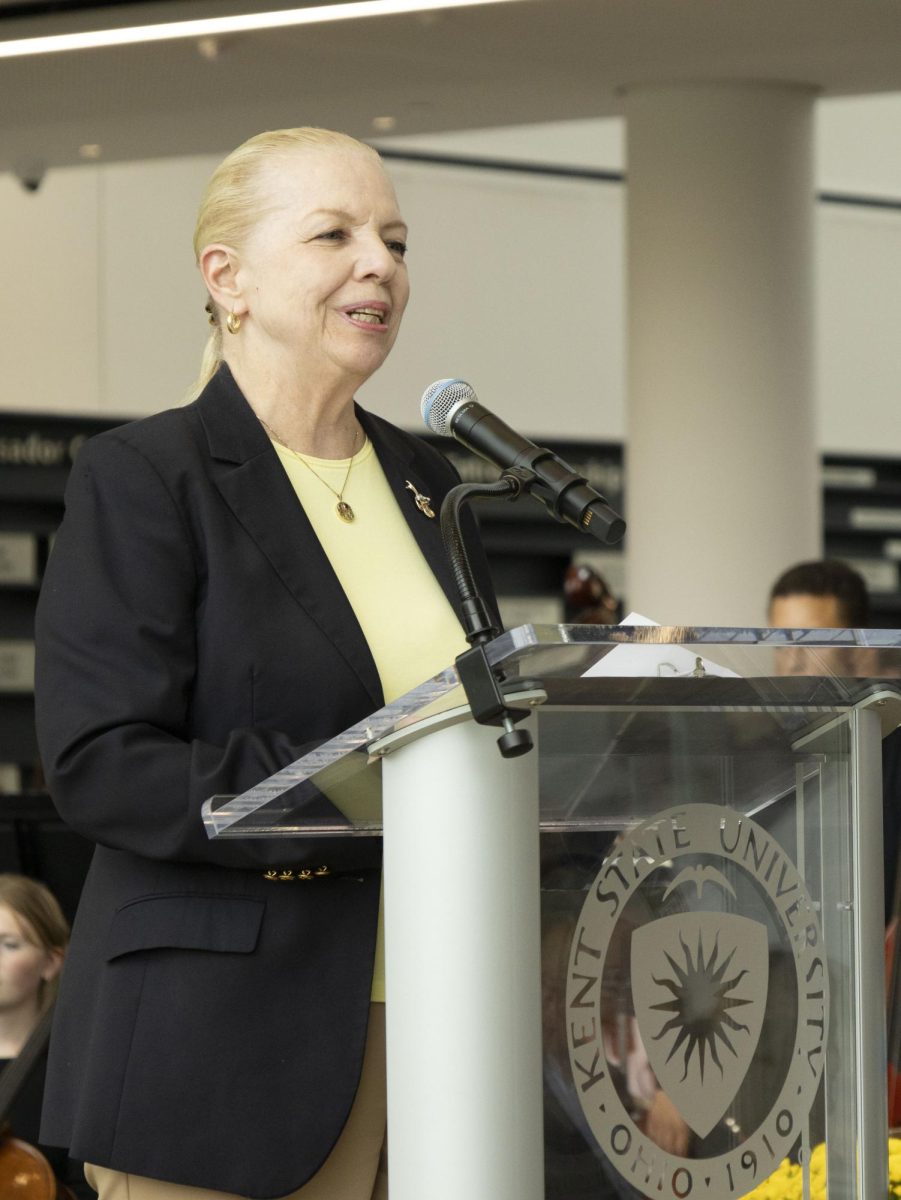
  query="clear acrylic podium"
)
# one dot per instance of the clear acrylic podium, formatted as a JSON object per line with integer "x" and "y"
{"x": 678, "y": 982}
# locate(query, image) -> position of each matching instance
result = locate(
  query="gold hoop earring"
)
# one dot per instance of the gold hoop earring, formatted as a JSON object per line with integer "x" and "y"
{"x": 232, "y": 322}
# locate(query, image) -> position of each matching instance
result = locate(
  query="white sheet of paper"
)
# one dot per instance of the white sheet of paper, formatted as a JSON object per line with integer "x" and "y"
{"x": 644, "y": 660}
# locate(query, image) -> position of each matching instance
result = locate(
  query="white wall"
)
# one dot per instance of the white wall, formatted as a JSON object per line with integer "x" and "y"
{"x": 102, "y": 310}
{"x": 518, "y": 283}
{"x": 857, "y": 142}
{"x": 152, "y": 317}
{"x": 517, "y": 287}
{"x": 858, "y": 385}
{"x": 49, "y": 295}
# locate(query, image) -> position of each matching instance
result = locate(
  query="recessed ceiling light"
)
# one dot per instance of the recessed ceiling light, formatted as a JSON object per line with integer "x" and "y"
{"x": 384, "y": 124}
{"x": 208, "y": 48}
{"x": 90, "y": 150}
{"x": 240, "y": 23}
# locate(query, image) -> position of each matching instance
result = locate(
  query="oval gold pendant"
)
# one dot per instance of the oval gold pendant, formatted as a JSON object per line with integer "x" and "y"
{"x": 345, "y": 512}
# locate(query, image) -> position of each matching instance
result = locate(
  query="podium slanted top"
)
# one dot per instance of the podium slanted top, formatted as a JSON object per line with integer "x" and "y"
{"x": 610, "y": 694}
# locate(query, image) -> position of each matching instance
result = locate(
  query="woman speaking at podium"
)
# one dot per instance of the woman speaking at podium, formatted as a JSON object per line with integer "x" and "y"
{"x": 235, "y": 580}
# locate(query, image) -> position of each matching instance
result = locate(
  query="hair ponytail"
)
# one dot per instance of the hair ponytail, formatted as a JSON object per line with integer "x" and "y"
{"x": 209, "y": 364}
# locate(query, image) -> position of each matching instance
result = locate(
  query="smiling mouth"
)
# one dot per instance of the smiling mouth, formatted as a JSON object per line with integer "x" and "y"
{"x": 370, "y": 316}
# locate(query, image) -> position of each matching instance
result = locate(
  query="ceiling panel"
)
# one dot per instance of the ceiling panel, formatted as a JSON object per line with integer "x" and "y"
{"x": 510, "y": 64}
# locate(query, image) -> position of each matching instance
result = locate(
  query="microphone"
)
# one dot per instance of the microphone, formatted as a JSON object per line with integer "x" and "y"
{"x": 451, "y": 408}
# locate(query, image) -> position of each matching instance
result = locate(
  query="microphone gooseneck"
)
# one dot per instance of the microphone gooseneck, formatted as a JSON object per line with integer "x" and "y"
{"x": 450, "y": 408}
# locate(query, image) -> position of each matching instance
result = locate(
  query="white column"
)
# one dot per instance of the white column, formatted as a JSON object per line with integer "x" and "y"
{"x": 722, "y": 468}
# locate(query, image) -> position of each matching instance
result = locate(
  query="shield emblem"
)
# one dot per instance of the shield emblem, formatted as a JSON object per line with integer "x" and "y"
{"x": 699, "y": 986}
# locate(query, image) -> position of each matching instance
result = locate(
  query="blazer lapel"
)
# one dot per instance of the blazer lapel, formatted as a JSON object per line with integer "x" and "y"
{"x": 246, "y": 470}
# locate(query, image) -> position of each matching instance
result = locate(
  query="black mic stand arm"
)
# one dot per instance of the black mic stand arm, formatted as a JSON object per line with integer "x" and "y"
{"x": 480, "y": 683}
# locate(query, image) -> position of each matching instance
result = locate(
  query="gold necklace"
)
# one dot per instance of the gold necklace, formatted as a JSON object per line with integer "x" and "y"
{"x": 342, "y": 508}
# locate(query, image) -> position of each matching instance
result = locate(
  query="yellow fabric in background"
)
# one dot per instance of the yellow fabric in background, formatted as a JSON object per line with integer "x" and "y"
{"x": 410, "y": 627}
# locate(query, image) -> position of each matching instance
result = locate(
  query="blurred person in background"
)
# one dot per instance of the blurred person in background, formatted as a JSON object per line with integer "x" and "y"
{"x": 587, "y": 599}
{"x": 33, "y": 938}
{"x": 822, "y": 594}
{"x": 830, "y": 594}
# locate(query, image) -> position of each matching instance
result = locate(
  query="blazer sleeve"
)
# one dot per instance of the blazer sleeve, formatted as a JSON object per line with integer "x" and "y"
{"x": 115, "y": 663}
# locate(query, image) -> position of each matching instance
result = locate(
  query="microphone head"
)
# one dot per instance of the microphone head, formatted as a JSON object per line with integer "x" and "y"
{"x": 441, "y": 400}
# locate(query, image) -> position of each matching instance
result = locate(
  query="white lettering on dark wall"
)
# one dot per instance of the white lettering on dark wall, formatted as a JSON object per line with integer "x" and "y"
{"x": 35, "y": 449}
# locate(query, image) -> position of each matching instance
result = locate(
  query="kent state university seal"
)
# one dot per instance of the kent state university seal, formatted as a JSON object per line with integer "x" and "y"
{"x": 698, "y": 961}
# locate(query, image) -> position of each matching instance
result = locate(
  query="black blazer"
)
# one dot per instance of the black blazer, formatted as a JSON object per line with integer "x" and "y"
{"x": 192, "y": 638}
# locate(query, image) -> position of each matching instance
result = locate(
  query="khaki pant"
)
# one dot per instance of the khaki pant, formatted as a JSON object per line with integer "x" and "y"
{"x": 356, "y": 1169}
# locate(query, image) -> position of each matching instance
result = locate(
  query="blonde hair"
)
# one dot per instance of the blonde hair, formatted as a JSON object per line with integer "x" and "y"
{"x": 233, "y": 203}
{"x": 41, "y": 919}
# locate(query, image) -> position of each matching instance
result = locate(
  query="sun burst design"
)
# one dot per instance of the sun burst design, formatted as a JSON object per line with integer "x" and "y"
{"x": 700, "y": 1004}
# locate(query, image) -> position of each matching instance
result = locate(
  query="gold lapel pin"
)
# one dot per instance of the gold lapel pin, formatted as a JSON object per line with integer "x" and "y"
{"x": 423, "y": 503}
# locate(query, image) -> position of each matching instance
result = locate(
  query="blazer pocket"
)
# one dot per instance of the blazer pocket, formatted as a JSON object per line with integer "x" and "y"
{"x": 186, "y": 922}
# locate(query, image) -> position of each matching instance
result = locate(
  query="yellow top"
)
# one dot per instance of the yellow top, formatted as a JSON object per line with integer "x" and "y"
{"x": 410, "y": 627}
